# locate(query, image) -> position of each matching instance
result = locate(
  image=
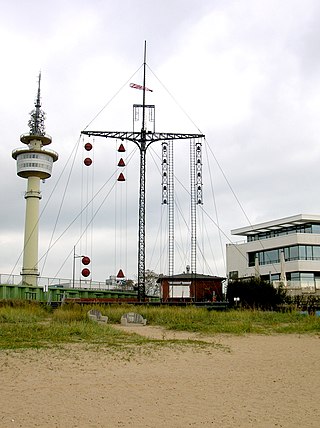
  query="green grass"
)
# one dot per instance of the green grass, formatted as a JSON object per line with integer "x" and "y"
{"x": 26, "y": 313}
{"x": 34, "y": 326}
{"x": 201, "y": 320}
{"x": 37, "y": 335}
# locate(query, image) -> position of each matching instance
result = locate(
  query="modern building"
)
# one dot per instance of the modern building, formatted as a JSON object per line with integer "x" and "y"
{"x": 286, "y": 250}
{"x": 190, "y": 287}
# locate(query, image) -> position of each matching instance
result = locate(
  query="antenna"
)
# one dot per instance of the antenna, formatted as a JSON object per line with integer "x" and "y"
{"x": 36, "y": 122}
{"x": 144, "y": 90}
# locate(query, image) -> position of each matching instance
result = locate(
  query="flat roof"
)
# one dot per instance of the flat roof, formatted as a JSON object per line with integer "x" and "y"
{"x": 189, "y": 276}
{"x": 277, "y": 224}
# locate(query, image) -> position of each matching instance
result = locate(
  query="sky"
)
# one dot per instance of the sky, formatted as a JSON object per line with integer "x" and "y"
{"x": 244, "y": 73}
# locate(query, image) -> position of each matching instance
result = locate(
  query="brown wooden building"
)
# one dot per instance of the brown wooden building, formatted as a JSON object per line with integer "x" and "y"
{"x": 190, "y": 287}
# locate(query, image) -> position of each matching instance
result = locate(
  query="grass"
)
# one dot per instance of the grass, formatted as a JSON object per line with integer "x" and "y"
{"x": 34, "y": 326}
{"x": 201, "y": 320}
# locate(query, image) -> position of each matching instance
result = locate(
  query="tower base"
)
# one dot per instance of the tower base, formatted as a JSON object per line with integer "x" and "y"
{"x": 30, "y": 277}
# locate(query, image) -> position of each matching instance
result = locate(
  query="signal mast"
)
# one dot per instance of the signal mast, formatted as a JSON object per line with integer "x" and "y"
{"x": 143, "y": 139}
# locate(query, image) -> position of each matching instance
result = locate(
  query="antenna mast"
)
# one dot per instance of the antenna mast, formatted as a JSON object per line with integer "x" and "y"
{"x": 142, "y": 139}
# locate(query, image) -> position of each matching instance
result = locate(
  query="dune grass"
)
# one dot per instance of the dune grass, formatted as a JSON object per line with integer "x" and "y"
{"x": 201, "y": 320}
{"x": 35, "y": 326}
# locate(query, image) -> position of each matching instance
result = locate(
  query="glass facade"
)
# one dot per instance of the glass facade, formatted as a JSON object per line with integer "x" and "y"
{"x": 303, "y": 279}
{"x": 295, "y": 252}
{"x": 301, "y": 228}
{"x": 299, "y": 279}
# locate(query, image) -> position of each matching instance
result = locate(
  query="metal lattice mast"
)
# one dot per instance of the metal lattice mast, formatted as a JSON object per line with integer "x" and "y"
{"x": 168, "y": 197}
{"x": 142, "y": 139}
{"x": 165, "y": 177}
{"x": 195, "y": 194}
{"x": 171, "y": 210}
{"x": 142, "y": 222}
{"x": 199, "y": 172}
{"x": 165, "y": 168}
{"x": 193, "y": 211}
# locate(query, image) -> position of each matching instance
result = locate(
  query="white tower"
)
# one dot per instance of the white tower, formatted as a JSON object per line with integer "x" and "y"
{"x": 33, "y": 163}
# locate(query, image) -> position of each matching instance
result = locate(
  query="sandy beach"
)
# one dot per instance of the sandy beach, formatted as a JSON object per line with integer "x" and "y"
{"x": 248, "y": 381}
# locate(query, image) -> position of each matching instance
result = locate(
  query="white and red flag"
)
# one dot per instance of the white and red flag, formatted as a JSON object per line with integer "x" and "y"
{"x": 135, "y": 86}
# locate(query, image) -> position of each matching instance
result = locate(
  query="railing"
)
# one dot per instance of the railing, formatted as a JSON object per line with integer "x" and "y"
{"x": 298, "y": 286}
{"x": 243, "y": 241}
{"x": 47, "y": 282}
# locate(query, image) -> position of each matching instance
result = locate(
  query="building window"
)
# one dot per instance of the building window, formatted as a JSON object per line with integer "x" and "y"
{"x": 315, "y": 228}
{"x": 234, "y": 274}
{"x": 302, "y": 228}
{"x": 271, "y": 256}
{"x": 303, "y": 279}
{"x": 295, "y": 252}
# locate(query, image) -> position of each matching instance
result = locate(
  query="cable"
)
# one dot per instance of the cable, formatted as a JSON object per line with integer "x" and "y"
{"x": 215, "y": 207}
{"x": 227, "y": 181}
{"x": 62, "y": 201}
{"x": 186, "y": 114}
{"x": 98, "y": 209}
{"x": 113, "y": 97}
{"x": 48, "y": 200}
{"x": 131, "y": 155}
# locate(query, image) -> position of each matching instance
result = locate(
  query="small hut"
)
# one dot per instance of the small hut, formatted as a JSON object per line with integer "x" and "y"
{"x": 190, "y": 287}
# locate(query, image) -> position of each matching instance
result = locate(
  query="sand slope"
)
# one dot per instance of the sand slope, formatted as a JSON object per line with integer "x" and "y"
{"x": 253, "y": 381}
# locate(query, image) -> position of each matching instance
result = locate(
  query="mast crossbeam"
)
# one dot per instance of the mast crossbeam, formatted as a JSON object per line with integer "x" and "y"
{"x": 139, "y": 137}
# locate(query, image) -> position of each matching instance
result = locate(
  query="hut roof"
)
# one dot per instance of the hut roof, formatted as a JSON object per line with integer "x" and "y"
{"x": 189, "y": 276}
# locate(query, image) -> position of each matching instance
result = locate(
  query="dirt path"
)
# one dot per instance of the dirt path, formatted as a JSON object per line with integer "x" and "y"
{"x": 160, "y": 333}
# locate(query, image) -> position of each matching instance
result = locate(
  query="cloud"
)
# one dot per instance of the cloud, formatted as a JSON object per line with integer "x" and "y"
{"x": 244, "y": 73}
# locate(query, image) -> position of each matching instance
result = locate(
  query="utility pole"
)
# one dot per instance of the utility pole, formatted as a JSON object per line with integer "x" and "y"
{"x": 143, "y": 139}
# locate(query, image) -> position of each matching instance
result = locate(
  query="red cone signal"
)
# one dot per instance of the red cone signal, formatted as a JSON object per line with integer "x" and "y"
{"x": 120, "y": 274}
{"x": 121, "y": 177}
{"x": 121, "y": 148}
{"x": 121, "y": 162}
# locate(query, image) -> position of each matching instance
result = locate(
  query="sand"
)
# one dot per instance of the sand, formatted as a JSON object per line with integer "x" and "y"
{"x": 248, "y": 381}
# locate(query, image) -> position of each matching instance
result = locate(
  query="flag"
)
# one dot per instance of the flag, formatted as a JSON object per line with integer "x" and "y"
{"x": 135, "y": 86}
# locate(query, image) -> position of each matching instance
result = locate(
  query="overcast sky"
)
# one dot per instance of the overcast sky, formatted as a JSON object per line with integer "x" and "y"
{"x": 244, "y": 73}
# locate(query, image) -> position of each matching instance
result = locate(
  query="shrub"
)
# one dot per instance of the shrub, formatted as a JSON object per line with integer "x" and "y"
{"x": 255, "y": 293}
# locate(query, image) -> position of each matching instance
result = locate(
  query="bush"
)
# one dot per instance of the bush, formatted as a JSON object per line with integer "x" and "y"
{"x": 255, "y": 293}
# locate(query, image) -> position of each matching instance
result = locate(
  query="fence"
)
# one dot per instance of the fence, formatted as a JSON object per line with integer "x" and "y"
{"x": 45, "y": 282}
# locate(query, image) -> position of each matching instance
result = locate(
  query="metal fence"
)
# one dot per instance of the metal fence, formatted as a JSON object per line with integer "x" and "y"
{"x": 45, "y": 282}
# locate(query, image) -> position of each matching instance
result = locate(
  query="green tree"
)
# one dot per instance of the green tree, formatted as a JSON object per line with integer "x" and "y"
{"x": 152, "y": 287}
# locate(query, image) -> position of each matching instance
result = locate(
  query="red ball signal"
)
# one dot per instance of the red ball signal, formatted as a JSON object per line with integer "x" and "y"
{"x": 85, "y": 272}
{"x": 85, "y": 260}
{"x": 87, "y": 161}
{"x": 88, "y": 147}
